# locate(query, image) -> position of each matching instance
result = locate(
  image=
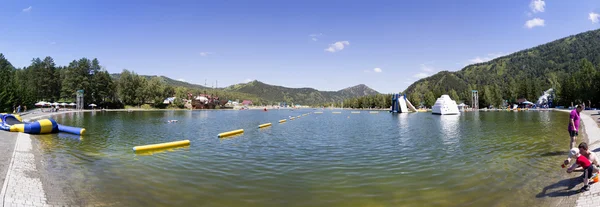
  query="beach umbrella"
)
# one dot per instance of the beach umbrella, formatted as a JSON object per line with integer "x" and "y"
{"x": 72, "y": 104}
{"x": 93, "y": 105}
{"x": 63, "y": 104}
{"x": 47, "y": 104}
{"x": 41, "y": 103}
{"x": 55, "y": 104}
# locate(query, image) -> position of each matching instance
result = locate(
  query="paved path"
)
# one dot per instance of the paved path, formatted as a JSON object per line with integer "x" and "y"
{"x": 22, "y": 186}
{"x": 590, "y": 120}
{"x": 7, "y": 145}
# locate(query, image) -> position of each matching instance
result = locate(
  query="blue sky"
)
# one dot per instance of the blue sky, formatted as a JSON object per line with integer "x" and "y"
{"x": 327, "y": 45}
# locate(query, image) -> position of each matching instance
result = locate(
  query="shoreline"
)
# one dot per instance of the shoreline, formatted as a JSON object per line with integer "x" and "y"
{"x": 591, "y": 135}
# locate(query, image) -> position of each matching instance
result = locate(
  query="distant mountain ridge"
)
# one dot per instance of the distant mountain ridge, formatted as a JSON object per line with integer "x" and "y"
{"x": 272, "y": 93}
{"x": 306, "y": 96}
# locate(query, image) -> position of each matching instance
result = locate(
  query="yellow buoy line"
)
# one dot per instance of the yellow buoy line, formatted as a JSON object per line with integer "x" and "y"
{"x": 231, "y": 133}
{"x": 161, "y": 145}
{"x": 264, "y": 125}
{"x": 182, "y": 143}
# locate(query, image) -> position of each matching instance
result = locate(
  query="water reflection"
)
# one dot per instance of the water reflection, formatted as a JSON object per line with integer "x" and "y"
{"x": 70, "y": 136}
{"x": 545, "y": 119}
{"x": 449, "y": 126}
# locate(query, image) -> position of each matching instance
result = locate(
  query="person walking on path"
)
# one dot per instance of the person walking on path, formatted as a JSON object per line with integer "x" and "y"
{"x": 574, "y": 119}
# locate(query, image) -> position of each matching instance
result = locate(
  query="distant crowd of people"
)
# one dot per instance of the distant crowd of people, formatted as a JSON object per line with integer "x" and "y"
{"x": 19, "y": 109}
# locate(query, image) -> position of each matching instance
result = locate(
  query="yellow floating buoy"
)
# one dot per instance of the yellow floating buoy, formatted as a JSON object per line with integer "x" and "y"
{"x": 229, "y": 133}
{"x": 161, "y": 146}
{"x": 264, "y": 125}
{"x": 283, "y": 120}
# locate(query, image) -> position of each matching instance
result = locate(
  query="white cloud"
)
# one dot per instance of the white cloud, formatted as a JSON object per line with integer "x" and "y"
{"x": 421, "y": 75}
{"x": 535, "y": 22}
{"x": 489, "y": 57}
{"x": 426, "y": 68}
{"x": 337, "y": 46}
{"x": 27, "y": 9}
{"x": 594, "y": 17}
{"x": 204, "y": 54}
{"x": 377, "y": 70}
{"x": 314, "y": 36}
{"x": 537, "y": 6}
{"x": 181, "y": 79}
{"x": 478, "y": 60}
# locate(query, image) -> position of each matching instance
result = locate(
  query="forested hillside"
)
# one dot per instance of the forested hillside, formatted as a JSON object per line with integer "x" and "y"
{"x": 569, "y": 65}
{"x": 304, "y": 96}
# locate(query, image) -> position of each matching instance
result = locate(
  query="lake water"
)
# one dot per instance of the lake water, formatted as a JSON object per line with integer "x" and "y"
{"x": 417, "y": 159}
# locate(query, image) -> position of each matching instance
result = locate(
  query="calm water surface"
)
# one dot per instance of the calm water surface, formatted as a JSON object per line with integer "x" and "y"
{"x": 418, "y": 159}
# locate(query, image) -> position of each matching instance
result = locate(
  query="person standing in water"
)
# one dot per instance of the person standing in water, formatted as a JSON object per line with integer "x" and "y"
{"x": 574, "y": 119}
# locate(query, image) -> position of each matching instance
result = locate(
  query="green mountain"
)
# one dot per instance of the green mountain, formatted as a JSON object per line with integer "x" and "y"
{"x": 524, "y": 74}
{"x": 169, "y": 81}
{"x": 271, "y": 94}
{"x": 303, "y": 96}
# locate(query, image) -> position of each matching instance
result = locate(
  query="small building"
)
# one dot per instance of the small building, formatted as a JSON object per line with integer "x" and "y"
{"x": 462, "y": 107}
{"x": 247, "y": 103}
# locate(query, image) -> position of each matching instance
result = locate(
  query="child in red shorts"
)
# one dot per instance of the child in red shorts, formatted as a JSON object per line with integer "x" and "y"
{"x": 588, "y": 171}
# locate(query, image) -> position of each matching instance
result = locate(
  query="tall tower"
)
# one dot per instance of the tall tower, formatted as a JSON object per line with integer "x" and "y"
{"x": 79, "y": 100}
{"x": 474, "y": 99}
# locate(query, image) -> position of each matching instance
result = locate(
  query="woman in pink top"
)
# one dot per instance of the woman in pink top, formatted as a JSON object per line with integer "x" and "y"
{"x": 574, "y": 125}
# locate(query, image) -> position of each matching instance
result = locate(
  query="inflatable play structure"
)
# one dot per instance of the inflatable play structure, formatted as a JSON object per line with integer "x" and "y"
{"x": 401, "y": 105}
{"x": 14, "y": 123}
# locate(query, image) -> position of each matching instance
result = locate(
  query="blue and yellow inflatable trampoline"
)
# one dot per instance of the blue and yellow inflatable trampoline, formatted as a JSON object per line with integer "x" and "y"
{"x": 14, "y": 123}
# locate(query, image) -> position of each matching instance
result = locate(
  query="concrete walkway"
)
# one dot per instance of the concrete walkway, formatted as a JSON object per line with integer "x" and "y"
{"x": 22, "y": 187}
{"x": 7, "y": 146}
{"x": 590, "y": 120}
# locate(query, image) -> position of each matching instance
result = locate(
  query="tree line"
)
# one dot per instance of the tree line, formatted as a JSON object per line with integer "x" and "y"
{"x": 581, "y": 86}
{"x": 43, "y": 80}
{"x": 372, "y": 101}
